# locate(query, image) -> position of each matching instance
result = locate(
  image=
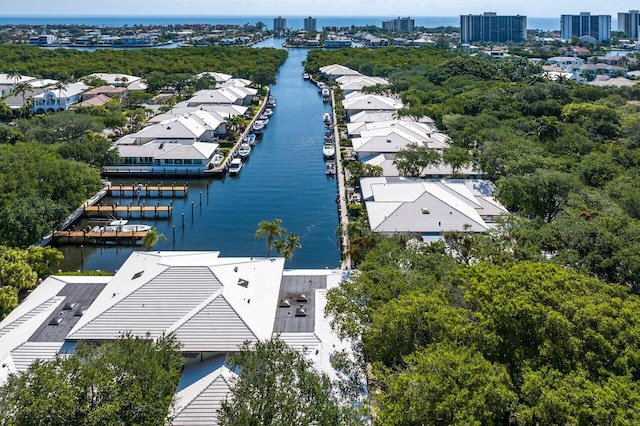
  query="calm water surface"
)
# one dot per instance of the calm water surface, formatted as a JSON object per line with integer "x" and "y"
{"x": 284, "y": 178}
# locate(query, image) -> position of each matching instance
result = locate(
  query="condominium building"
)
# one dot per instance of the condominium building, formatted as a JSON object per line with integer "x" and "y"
{"x": 279, "y": 26}
{"x": 585, "y": 24}
{"x": 310, "y": 24}
{"x": 493, "y": 28}
{"x": 400, "y": 24}
{"x": 628, "y": 23}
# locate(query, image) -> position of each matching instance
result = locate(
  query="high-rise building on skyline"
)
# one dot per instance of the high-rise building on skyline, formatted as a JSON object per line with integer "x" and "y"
{"x": 310, "y": 24}
{"x": 628, "y": 22}
{"x": 279, "y": 26}
{"x": 493, "y": 28}
{"x": 586, "y": 24}
{"x": 399, "y": 24}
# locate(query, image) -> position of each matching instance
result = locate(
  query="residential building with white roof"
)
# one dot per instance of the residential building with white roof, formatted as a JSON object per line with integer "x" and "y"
{"x": 429, "y": 208}
{"x": 56, "y": 100}
{"x": 212, "y": 304}
{"x": 355, "y": 83}
{"x": 357, "y": 102}
{"x": 335, "y": 71}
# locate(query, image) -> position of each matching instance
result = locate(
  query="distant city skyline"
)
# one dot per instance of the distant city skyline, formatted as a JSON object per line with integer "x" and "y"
{"x": 413, "y": 8}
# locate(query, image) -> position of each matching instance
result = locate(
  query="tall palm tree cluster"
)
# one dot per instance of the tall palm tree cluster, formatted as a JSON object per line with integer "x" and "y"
{"x": 278, "y": 238}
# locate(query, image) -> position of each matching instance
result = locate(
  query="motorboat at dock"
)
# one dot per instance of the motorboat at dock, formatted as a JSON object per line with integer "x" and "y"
{"x": 244, "y": 150}
{"x": 329, "y": 150}
{"x": 330, "y": 168}
{"x": 122, "y": 225}
{"x": 235, "y": 166}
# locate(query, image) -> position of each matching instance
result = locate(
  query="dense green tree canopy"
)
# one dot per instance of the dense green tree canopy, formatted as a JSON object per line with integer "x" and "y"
{"x": 128, "y": 381}
{"x": 242, "y": 62}
{"x": 277, "y": 386}
{"x": 530, "y": 337}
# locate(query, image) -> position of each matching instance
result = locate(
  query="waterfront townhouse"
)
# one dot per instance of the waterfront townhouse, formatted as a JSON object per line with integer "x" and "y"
{"x": 211, "y": 303}
{"x": 333, "y": 72}
{"x": 355, "y": 83}
{"x": 183, "y": 146}
{"x": 230, "y": 95}
{"x": 429, "y": 208}
{"x": 356, "y": 102}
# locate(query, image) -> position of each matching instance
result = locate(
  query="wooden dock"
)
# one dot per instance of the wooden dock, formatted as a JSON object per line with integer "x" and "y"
{"x": 99, "y": 237}
{"x": 146, "y": 190}
{"x": 130, "y": 210}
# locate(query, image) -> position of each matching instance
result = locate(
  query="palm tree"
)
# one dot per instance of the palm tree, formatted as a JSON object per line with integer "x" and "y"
{"x": 22, "y": 88}
{"x": 14, "y": 75}
{"x": 289, "y": 244}
{"x": 272, "y": 230}
{"x": 151, "y": 238}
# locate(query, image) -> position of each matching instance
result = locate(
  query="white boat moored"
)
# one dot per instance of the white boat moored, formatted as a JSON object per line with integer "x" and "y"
{"x": 217, "y": 159}
{"x": 122, "y": 225}
{"x": 244, "y": 150}
{"x": 235, "y": 166}
{"x": 328, "y": 150}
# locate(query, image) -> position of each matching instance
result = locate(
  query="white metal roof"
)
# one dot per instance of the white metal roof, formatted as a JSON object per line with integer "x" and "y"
{"x": 199, "y": 403}
{"x": 368, "y": 102}
{"x": 338, "y": 70}
{"x": 217, "y": 96}
{"x": 172, "y": 294}
{"x": 407, "y": 205}
{"x": 114, "y": 78}
{"x": 371, "y": 116}
{"x": 69, "y": 90}
{"x": 7, "y": 80}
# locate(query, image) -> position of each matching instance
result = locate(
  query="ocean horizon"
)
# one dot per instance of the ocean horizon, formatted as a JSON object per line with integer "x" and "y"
{"x": 538, "y": 23}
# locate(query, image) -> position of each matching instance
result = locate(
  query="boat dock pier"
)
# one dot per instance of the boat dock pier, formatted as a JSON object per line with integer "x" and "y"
{"x": 129, "y": 210}
{"x": 343, "y": 218}
{"x": 222, "y": 169}
{"x": 146, "y": 190}
{"x": 99, "y": 237}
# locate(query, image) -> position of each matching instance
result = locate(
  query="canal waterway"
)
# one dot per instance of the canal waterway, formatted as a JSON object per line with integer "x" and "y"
{"x": 284, "y": 178}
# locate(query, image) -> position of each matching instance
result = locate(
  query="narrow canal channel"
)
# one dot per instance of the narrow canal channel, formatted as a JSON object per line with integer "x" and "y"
{"x": 283, "y": 178}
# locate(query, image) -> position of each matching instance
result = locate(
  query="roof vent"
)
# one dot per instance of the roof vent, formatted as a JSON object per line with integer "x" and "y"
{"x": 284, "y": 303}
{"x": 69, "y": 306}
{"x": 80, "y": 312}
{"x": 58, "y": 320}
{"x": 243, "y": 283}
{"x": 425, "y": 210}
{"x": 235, "y": 269}
{"x": 302, "y": 297}
{"x": 388, "y": 140}
{"x": 300, "y": 312}
{"x": 137, "y": 275}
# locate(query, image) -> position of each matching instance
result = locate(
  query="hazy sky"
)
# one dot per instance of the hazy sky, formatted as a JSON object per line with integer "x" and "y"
{"x": 533, "y": 8}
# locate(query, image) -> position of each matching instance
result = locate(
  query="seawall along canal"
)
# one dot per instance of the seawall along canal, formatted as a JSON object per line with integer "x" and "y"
{"x": 283, "y": 178}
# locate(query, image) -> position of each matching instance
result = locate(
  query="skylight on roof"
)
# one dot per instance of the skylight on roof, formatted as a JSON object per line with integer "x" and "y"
{"x": 137, "y": 275}
{"x": 243, "y": 283}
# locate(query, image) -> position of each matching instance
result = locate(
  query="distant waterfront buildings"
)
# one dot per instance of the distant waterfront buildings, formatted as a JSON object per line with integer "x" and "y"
{"x": 279, "y": 26}
{"x": 400, "y": 24}
{"x": 310, "y": 24}
{"x": 493, "y": 28}
{"x": 42, "y": 40}
{"x": 585, "y": 24}
{"x": 628, "y": 22}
